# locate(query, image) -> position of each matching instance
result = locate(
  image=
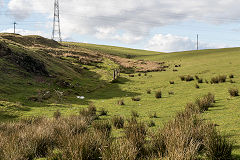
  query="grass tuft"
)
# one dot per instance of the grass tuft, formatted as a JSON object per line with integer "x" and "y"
{"x": 233, "y": 92}
{"x": 158, "y": 94}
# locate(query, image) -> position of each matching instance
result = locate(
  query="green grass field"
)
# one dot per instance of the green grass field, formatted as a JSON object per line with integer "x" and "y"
{"x": 205, "y": 64}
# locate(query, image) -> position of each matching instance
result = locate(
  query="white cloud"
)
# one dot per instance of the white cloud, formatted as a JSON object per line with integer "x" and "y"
{"x": 25, "y": 32}
{"x": 172, "y": 43}
{"x": 110, "y": 33}
{"x": 129, "y": 20}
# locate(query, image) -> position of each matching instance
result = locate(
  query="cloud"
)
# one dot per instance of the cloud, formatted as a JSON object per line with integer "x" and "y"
{"x": 25, "y": 32}
{"x": 110, "y": 33}
{"x": 1, "y": 4}
{"x": 172, "y": 43}
{"x": 129, "y": 20}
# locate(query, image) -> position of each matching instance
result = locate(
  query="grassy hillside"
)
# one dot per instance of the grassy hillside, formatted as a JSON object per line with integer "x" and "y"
{"x": 28, "y": 89}
{"x": 205, "y": 64}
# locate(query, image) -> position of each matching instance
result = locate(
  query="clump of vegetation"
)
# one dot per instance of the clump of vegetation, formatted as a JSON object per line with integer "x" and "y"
{"x": 205, "y": 102}
{"x": 200, "y": 80}
{"x": 196, "y": 76}
{"x": 217, "y": 146}
{"x": 139, "y": 74}
{"x": 219, "y": 79}
{"x": 104, "y": 127}
{"x": 136, "y": 98}
{"x": 158, "y": 94}
{"x": 149, "y": 91}
{"x": 89, "y": 112}
{"x": 170, "y": 92}
{"x": 231, "y": 81}
{"x": 118, "y": 122}
{"x": 206, "y": 81}
{"x": 103, "y": 112}
{"x": 233, "y": 92}
{"x": 134, "y": 113}
{"x": 151, "y": 124}
{"x": 187, "y": 78}
{"x": 136, "y": 133}
{"x": 182, "y": 78}
{"x": 231, "y": 76}
{"x": 121, "y": 102}
{"x": 131, "y": 75}
{"x": 57, "y": 114}
{"x": 197, "y": 86}
{"x": 153, "y": 115}
{"x": 171, "y": 82}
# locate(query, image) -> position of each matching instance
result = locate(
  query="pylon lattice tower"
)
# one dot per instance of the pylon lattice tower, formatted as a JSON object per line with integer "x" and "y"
{"x": 56, "y": 33}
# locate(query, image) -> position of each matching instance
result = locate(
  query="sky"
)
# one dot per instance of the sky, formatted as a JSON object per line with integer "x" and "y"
{"x": 157, "y": 25}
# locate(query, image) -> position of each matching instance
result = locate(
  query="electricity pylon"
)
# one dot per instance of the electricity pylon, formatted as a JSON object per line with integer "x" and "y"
{"x": 56, "y": 33}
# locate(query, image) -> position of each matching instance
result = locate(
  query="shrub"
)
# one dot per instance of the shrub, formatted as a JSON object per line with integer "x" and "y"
{"x": 149, "y": 91}
{"x": 118, "y": 122}
{"x": 136, "y": 98}
{"x": 103, "y": 112}
{"x": 134, "y": 113}
{"x": 231, "y": 76}
{"x": 131, "y": 75}
{"x": 200, "y": 80}
{"x": 197, "y": 86}
{"x": 196, "y": 77}
{"x": 151, "y": 124}
{"x": 121, "y": 102}
{"x": 57, "y": 114}
{"x": 231, "y": 81}
{"x": 158, "y": 94}
{"x": 171, "y": 82}
{"x": 139, "y": 74}
{"x": 233, "y": 92}
{"x": 145, "y": 74}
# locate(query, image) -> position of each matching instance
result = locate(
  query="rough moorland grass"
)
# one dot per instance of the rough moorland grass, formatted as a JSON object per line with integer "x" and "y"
{"x": 219, "y": 79}
{"x": 205, "y": 102}
{"x": 74, "y": 137}
{"x": 118, "y": 122}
